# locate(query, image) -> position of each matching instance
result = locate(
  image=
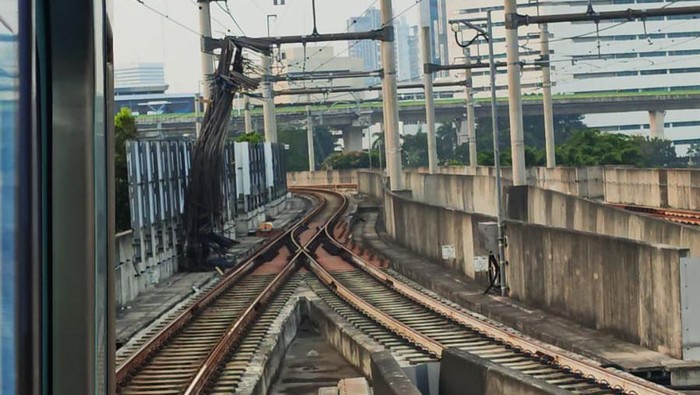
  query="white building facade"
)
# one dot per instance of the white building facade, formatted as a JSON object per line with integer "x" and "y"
{"x": 657, "y": 55}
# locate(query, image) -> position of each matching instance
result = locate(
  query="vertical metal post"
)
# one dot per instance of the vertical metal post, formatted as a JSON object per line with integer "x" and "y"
{"x": 268, "y": 103}
{"x": 197, "y": 115}
{"x": 246, "y": 115}
{"x": 390, "y": 102}
{"x": 515, "y": 105}
{"x": 207, "y": 60}
{"x": 497, "y": 159}
{"x": 471, "y": 120}
{"x": 429, "y": 100}
{"x": 310, "y": 139}
{"x": 547, "y": 97}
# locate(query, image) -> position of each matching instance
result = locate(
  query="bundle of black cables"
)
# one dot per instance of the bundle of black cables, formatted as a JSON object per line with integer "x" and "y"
{"x": 204, "y": 199}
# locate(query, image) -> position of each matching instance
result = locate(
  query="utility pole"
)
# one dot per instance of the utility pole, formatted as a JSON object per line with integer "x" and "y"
{"x": 497, "y": 162}
{"x": 246, "y": 115}
{"x": 515, "y": 105}
{"x": 547, "y": 97}
{"x": 429, "y": 100}
{"x": 310, "y": 139}
{"x": 207, "y": 60}
{"x": 391, "y": 107}
{"x": 471, "y": 120}
{"x": 268, "y": 102}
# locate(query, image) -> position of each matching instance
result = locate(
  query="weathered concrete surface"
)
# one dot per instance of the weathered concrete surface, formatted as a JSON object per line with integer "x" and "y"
{"x": 264, "y": 366}
{"x": 562, "y": 332}
{"x": 673, "y": 188}
{"x": 310, "y": 362}
{"x": 351, "y": 343}
{"x": 555, "y": 209}
{"x": 625, "y": 286}
{"x": 629, "y": 288}
{"x": 131, "y": 279}
{"x": 322, "y": 177}
{"x": 462, "y": 373}
{"x": 388, "y": 378}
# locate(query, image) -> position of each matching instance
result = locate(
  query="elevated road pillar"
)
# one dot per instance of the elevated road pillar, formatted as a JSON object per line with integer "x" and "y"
{"x": 656, "y": 124}
{"x": 352, "y": 138}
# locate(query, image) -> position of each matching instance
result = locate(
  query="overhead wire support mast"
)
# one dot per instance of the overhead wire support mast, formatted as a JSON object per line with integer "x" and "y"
{"x": 515, "y": 20}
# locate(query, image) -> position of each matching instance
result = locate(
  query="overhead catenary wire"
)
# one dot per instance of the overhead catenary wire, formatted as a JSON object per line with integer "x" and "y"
{"x": 166, "y": 16}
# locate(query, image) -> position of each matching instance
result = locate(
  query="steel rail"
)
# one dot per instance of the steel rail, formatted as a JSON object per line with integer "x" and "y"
{"x": 238, "y": 329}
{"x": 148, "y": 349}
{"x": 616, "y": 379}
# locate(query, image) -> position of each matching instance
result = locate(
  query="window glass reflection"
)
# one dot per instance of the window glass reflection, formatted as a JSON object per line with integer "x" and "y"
{"x": 8, "y": 131}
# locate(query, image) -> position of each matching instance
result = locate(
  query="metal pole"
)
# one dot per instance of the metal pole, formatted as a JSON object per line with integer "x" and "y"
{"x": 369, "y": 147}
{"x": 497, "y": 161}
{"x": 471, "y": 120}
{"x": 515, "y": 105}
{"x": 268, "y": 103}
{"x": 547, "y": 97}
{"x": 310, "y": 139}
{"x": 391, "y": 106}
{"x": 429, "y": 101}
{"x": 246, "y": 115}
{"x": 207, "y": 60}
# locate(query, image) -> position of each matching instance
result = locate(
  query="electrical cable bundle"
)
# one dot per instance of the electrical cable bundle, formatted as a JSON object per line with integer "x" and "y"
{"x": 204, "y": 199}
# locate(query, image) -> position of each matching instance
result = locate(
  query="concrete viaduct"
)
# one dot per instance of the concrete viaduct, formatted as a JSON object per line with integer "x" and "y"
{"x": 353, "y": 119}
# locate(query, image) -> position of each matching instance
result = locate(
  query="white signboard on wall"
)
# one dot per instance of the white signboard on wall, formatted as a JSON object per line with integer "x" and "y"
{"x": 448, "y": 251}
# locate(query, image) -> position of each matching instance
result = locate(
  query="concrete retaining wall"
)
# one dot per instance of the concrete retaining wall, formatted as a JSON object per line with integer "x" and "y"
{"x": 673, "y": 188}
{"x": 130, "y": 278}
{"x": 626, "y": 287}
{"x": 580, "y": 181}
{"x": 388, "y": 378}
{"x": 322, "y": 177}
{"x": 462, "y": 373}
{"x": 559, "y": 210}
{"x": 468, "y": 193}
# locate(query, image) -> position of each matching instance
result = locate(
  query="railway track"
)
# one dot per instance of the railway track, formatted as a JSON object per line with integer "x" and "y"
{"x": 431, "y": 326}
{"x": 686, "y": 217}
{"x": 186, "y": 353}
{"x": 210, "y": 343}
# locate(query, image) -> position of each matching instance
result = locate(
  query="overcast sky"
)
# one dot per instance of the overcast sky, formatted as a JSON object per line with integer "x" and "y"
{"x": 141, "y": 35}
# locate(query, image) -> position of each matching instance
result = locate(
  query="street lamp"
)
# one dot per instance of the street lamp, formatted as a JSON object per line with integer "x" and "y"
{"x": 488, "y": 34}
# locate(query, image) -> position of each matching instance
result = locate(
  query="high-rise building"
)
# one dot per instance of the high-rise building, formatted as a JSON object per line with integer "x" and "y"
{"x": 661, "y": 54}
{"x": 439, "y": 28}
{"x": 658, "y": 55}
{"x": 367, "y": 50}
{"x": 295, "y": 61}
{"x": 407, "y": 51}
{"x": 140, "y": 78}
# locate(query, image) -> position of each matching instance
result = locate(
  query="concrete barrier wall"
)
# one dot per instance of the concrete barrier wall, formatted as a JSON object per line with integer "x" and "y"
{"x": 581, "y": 181}
{"x": 626, "y": 287}
{"x": 672, "y": 188}
{"x": 130, "y": 278}
{"x": 462, "y": 373}
{"x": 467, "y": 193}
{"x": 388, "y": 378}
{"x": 555, "y": 209}
{"x": 322, "y": 177}
{"x": 425, "y": 228}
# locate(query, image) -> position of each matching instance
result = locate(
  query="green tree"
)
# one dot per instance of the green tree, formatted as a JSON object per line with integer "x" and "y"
{"x": 350, "y": 160}
{"x": 298, "y": 153}
{"x": 254, "y": 137}
{"x": 124, "y": 129}
{"x": 414, "y": 150}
